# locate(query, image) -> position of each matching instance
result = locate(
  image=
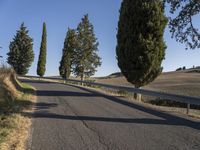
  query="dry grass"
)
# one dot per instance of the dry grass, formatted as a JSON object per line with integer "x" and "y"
{"x": 4, "y": 72}
{"x": 14, "y": 127}
{"x": 17, "y": 132}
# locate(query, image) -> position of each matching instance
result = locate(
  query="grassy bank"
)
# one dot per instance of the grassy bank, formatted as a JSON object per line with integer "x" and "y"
{"x": 14, "y": 126}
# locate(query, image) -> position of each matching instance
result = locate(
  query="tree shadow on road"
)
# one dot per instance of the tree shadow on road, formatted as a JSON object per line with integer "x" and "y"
{"x": 167, "y": 119}
{"x": 104, "y": 119}
{"x": 57, "y": 92}
{"x": 34, "y": 105}
{"x": 173, "y": 120}
{"x": 36, "y": 81}
{"x": 65, "y": 93}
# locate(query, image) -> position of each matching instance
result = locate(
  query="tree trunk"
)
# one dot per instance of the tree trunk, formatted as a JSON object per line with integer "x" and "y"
{"x": 137, "y": 96}
{"x": 64, "y": 81}
{"x": 82, "y": 78}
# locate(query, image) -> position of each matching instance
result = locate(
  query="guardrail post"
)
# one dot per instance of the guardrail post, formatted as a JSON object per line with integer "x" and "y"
{"x": 188, "y": 108}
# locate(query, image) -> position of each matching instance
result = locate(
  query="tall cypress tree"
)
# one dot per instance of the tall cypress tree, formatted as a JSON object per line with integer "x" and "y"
{"x": 66, "y": 62}
{"x": 141, "y": 47}
{"x": 21, "y": 55}
{"x": 86, "y": 58}
{"x": 41, "y": 67}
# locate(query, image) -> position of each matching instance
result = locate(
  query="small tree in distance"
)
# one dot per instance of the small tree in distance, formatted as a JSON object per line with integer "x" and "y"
{"x": 66, "y": 62}
{"x": 179, "y": 69}
{"x": 41, "y": 67}
{"x": 0, "y": 55}
{"x": 21, "y": 55}
{"x": 141, "y": 47}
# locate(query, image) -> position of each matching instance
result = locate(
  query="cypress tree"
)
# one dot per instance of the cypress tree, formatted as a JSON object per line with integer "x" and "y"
{"x": 141, "y": 47}
{"x": 86, "y": 58}
{"x": 68, "y": 54}
{"x": 41, "y": 67}
{"x": 21, "y": 55}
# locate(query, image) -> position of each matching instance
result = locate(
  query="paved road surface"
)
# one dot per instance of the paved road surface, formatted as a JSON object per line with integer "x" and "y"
{"x": 72, "y": 118}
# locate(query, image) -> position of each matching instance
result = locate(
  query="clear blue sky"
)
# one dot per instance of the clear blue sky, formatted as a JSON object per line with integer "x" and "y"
{"x": 61, "y": 14}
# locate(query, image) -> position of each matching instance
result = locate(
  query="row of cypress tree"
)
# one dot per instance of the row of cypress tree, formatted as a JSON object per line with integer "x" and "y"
{"x": 21, "y": 54}
{"x": 79, "y": 56}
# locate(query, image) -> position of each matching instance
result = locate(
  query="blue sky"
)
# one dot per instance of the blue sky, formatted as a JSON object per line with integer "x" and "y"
{"x": 61, "y": 14}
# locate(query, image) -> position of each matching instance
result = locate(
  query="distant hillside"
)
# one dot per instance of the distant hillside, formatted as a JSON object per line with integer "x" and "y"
{"x": 119, "y": 74}
{"x": 184, "y": 82}
{"x": 114, "y": 75}
{"x": 194, "y": 71}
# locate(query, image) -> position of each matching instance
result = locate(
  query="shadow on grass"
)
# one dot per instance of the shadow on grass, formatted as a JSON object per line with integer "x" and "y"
{"x": 35, "y": 106}
{"x": 19, "y": 105}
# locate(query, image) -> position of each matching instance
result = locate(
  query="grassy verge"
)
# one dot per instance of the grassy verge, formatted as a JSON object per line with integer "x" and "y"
{"x": 14, "y": 126}
{"x": 25, "y": 86}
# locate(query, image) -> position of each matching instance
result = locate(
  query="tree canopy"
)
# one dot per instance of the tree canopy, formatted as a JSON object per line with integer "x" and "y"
{"x": 86, "y": 59}
{"x": 21, "y": 55}
{"x": 141, "y": 47}
{"x": 66, "y": 62}
{"x": 182, "y": 24}
{"x": 41, "y": 67}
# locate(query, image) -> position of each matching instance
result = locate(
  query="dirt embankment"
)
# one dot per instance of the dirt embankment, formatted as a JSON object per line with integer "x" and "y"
{"x": 14, "y": 126}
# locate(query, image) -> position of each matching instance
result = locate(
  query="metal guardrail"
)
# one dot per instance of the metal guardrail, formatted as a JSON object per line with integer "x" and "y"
{"x": 173, "y": 97}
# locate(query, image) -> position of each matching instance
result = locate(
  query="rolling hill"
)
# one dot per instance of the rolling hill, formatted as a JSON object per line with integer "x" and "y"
{"x": 185, "y": 82}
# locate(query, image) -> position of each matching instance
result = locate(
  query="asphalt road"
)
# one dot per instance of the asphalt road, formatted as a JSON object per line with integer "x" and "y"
{"x": 73, "y": 118}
